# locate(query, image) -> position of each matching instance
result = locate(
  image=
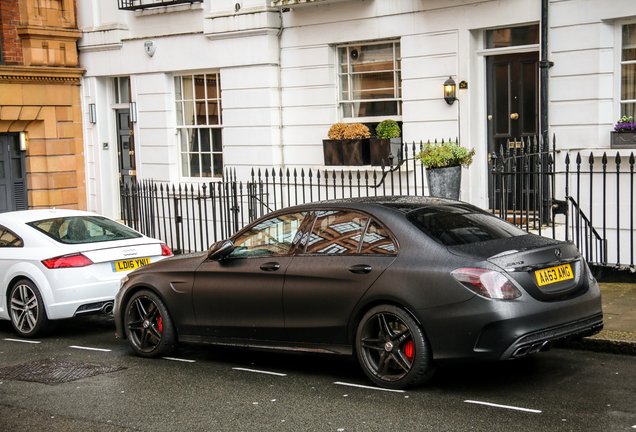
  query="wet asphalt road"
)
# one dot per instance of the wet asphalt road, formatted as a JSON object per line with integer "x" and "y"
{"x": 225, "y": 389}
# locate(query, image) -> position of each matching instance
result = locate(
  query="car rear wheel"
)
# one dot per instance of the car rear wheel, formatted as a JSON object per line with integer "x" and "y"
{"x": 392, "y": 348}
{"x": 27, "y": 310}
{"x": 148, "y": 325}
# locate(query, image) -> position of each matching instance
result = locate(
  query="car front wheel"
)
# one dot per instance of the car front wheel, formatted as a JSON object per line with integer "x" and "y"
{"x": 392, "y": 348}
{"x": 27, "y": 310}
{"x": 148, "y": 325}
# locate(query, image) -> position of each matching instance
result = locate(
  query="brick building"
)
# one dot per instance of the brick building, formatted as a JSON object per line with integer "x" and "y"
{"x": 41, "y": 145}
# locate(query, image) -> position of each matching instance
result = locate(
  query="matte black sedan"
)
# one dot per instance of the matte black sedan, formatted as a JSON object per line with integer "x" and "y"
{"x": 403, "y": 283}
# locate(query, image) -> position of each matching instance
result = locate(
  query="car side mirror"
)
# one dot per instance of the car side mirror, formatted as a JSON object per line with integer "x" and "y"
{"x": 220, "y": 250}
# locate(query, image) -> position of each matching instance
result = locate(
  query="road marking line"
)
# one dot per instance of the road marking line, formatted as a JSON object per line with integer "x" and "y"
{"x": 89, "y": 348}
{"x": 23, "y": 341}
{"x": 179, "y": 360}
{"x": 368, "y": 387}
{"x": 260, "y": 372}
{"x": 503, "y": 406}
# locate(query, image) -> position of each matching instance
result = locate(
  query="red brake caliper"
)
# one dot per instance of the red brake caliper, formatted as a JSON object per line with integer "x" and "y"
{"x": 408, "y": 349}
{"x": 160, "y": 324}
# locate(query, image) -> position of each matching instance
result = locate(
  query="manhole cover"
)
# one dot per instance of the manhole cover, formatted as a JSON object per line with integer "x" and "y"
{"x": 51, "y": 371}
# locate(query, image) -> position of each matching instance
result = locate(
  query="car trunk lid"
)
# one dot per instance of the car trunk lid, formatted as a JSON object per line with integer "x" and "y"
{"x": 547, "y": 269}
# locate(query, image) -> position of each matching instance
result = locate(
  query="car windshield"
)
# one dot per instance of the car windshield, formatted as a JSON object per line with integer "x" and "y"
{"x": 453, "y": 225}
{"x": 83, "y": 229}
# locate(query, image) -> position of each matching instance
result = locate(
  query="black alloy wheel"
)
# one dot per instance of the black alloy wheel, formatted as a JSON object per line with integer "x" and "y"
{"x": 149, "y": 326}
{"x": 27, "y": 310}
{"x": 392, "y": 348}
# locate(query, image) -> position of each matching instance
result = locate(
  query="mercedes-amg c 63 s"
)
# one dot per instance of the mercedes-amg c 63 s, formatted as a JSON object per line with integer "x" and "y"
{"x": 402, "y": 283}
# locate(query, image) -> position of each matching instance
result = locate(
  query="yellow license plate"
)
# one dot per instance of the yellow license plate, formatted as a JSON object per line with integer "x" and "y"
{"x": 129, "y": 264}
{"x": 554, "y": 274}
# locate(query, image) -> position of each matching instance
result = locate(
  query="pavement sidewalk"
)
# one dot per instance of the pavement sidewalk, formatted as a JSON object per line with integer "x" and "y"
{"x": 619, "y": 316}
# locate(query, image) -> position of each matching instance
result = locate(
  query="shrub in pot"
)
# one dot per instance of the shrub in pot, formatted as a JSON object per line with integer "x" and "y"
{"x": 443, "y": 162}
{"x": 387, "y": 142}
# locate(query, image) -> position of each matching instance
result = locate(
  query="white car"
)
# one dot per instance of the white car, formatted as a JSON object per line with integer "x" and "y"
{"x": 57, "y": 264}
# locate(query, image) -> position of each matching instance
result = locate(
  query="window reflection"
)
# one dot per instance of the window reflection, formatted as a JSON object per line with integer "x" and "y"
{"x": 336, "y": 233}
{"x": 8, "y": 239}
{"x": 344, "y": 232}
{"x": 271, "y": 237}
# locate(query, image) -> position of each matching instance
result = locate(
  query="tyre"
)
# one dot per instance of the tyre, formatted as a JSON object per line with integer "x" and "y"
{"x": 148, "y": 325}
{"x": 27, "y": 312}
{"x": 392, "y": 348}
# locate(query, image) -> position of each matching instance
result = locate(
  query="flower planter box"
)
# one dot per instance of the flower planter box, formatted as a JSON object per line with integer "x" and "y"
{"x": 332, "y": 151}
{"x": 346, "y": 152}
{"x": 623, "y": 140}
{"x": 381, "y": 148}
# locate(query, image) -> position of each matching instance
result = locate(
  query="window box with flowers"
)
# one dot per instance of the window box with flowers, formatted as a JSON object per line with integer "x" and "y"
{"x": 624, "y": 134}
{"x": 348, "y": 145}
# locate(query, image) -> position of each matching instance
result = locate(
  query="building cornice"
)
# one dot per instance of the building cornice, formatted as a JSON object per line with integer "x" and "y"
{"x": 39, "y": 75}
{"x": 49, "y": 33}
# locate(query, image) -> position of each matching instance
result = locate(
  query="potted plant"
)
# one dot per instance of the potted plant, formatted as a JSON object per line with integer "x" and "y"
{"x": 624, "y": 134}
{"x": 443, "y": 162}
{"x": 355, "y": 147}
{"x": 387, "y": 141}
{"x": 332, "y": 147}
{"x": 347, "y": 145}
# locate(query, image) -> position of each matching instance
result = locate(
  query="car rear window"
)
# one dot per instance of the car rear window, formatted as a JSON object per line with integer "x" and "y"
{"x": 83, "y": 229}
{"x": 453, "y": 225}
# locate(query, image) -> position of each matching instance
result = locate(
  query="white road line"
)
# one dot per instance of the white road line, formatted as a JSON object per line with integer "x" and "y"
{"x": 179, "y": 360}
{"x": 503, "y": 406}
{"x": 89, "y": 348}
{"x": 368, "y": 387}
{"x": 260, "y": 372}
{"x": 23, "y": 341}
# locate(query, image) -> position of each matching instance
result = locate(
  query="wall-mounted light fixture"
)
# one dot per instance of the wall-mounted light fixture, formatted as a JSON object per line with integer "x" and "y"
{"x": 449, "y": 91}
{"x": 24, "y": 140}
{"x": 133, "y": 112}
{"x": 92, "y": 113}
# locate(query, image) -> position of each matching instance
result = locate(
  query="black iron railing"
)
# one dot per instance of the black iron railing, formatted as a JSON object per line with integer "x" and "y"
{"x": 145, "y": 4}
{"x": 539, "y": 191}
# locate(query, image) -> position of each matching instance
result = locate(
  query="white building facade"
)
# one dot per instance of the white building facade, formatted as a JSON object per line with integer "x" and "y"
{"x": 220, "y": 84}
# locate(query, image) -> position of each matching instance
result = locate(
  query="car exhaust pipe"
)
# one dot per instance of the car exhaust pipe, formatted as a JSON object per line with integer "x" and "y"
{"x": 107, "y": 309}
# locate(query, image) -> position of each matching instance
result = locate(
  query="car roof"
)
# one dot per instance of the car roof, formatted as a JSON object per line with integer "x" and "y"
{"x": 402, "y": 203}
{"x": 25, "y": 216}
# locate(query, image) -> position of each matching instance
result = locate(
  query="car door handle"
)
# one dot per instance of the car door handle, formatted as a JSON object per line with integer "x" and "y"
{"x": 360, "y": 269}
{"x": 270, "y": 266}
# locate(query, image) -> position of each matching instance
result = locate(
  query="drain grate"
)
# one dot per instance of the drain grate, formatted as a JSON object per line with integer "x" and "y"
{"x": 50, "y": 371}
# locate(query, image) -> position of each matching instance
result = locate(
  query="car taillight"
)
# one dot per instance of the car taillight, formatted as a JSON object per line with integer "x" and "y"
{"x": 487, "y": 283}
{"x": 165, "y": 250}
{"x": 73, "y": 260}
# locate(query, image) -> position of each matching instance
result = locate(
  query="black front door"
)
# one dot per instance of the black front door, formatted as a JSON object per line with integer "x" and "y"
{"x": 13, "y": 187}
{"x": 513, "y": 108}
{"x": 125, "y": 147}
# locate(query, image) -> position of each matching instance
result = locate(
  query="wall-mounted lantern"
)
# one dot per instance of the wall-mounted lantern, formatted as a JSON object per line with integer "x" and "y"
{"x": 24, "y": 141}
{"x": 133, "y": 112}
{"x": 449, "y": 91}
{"x": 92, "y": 113}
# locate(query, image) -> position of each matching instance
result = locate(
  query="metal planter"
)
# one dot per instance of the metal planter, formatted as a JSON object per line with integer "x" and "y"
{"x": 444, "y": 182}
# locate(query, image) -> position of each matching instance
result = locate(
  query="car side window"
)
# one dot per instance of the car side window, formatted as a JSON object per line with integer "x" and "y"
{"x": 84, "y": 229}
{"x": 8, "y": 239}
{"x": 273, "y": 236}
{"x": 377, "y": 240}
{"x": 336, "y": 232}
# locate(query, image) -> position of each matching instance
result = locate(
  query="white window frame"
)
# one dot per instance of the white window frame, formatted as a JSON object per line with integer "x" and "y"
{"x": 182, "y": 127}
{"x": 618, "y": 88}
{"x": 397, "y": 84}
